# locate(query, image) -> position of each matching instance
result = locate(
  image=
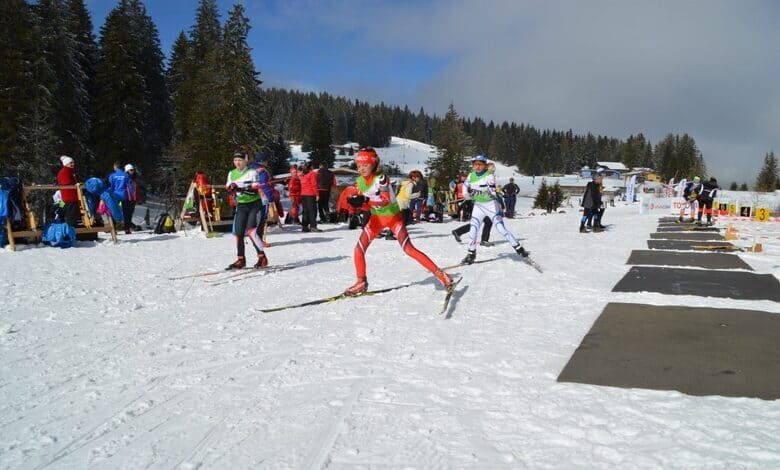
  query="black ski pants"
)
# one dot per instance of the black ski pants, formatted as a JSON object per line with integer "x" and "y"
{"x": 245, "y": 224}
{"x": 323, "y": 205}
{"x": 72, "y": 213}
{"x": 309, "y": 219}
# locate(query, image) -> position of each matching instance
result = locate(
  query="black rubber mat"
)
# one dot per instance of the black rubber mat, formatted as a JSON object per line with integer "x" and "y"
{"x": 686, "y": 236}
{"x": 697, "y": 351}
{"x": 706, "y": 283}
{"x": 679, "y": 228}
{"x": 681, "y": 258}
{"x": 685, "y": 245}
{"x": 667, "y": 219}
{"x": 685, "y": 225}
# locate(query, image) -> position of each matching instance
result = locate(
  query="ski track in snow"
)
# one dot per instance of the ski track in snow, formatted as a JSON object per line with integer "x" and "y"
{"x": 108, "y": 363}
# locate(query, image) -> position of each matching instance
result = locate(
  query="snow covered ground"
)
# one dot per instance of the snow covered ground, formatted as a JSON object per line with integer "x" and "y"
{"x": 108, "y": 363}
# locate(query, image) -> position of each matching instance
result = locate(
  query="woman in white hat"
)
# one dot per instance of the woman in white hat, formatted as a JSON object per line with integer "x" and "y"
{"x": 67, "y": 177}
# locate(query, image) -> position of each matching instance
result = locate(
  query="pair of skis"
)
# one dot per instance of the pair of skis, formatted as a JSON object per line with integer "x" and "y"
{"x": 527, "y": 259}
{"x": 447, "y": 298}
{"x": 234, "y": 274}
{"x": 334, "y": 298}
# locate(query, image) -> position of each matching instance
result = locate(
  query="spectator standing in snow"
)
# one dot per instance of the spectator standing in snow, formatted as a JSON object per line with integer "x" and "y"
{"x": 67, "y": 177}
{"x": 119, "y": 183}
{"x": 326, "y": 181}
{"x": 309, "y": 199}
{"x": 591, "y": 203}
{"x": 550, "y": 201}
{"x": 510, "y": 197}
{"x": 265, "y": 190}
{"x": 404, "y": 198}
{"x": 419, "y": 194}
{"x": 133, "y": 194}
{"x": 294, "y": 189}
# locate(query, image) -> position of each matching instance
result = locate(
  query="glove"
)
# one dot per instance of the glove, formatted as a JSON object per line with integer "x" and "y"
{"x": 232, "y": 187}
{"x": 357, "y": 200}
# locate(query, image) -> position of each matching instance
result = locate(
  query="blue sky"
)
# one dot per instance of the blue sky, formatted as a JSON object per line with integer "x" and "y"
{"x": 304, "y": 53}
{"x": 708, "y": 68}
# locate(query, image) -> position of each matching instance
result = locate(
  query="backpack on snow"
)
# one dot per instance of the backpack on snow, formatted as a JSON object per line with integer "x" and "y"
{"x": 164, "y": 224}
{"x": 59, "y": 234}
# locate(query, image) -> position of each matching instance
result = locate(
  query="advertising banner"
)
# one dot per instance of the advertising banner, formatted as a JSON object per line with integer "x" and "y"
{"x": 660, "y": 205}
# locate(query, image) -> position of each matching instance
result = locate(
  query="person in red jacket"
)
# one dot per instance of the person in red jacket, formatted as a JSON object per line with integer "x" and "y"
{"x": 294, "y": 188}
{"x": 309, "y": 199}
{"x": 70, "y": 197}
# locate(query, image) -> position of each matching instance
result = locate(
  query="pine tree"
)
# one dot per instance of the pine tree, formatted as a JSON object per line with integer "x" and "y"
{"x": 540, "y": 202}
{"x": 558, "y": 194}
{"x": 744, "y": 187}
{"x": 629, "y": 152}
{"x": 148, "y": 60}
{"x": 70, "y": 89}
{"x": 120, "y": 105}
{"x": 679, "y": 157}
{"x": 240, "y": 110}
{"x": 87, "y": 57}
{"x": 768, "y": 179}
{"x": 321, "y": 139}
{"x": 26, "y": 130}
{"x": 454, "y": 147}
{"x": 278, "y": 155}
{"x": 733, "y": 186}
{"x": 179, "y": 80}
{"x": 205, "y": 89}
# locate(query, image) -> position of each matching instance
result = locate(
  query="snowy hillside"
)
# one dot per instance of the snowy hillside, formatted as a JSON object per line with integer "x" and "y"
{"x": 110, "y": 362}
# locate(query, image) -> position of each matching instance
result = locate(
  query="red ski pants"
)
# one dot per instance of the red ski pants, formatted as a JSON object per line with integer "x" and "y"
{"x": 374, "y": 226}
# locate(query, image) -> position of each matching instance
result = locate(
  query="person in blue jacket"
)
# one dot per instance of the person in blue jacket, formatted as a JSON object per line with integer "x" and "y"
{"x": 266, "y": 192}
{"x": 121, "y": 189}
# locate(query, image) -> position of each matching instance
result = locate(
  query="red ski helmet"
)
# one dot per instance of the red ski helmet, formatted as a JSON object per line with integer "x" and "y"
{"x": 367, "y": 155}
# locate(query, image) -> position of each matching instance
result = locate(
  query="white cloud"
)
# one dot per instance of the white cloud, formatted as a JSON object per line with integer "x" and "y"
{"x": 705, "y": 67}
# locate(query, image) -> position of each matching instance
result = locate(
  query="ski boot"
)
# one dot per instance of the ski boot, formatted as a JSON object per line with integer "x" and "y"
{"x": 521, "y": 251}
{"x": 583, "y": 229}
{"x": 444, "y": 278}
{"x": 359, "y": 288}
{"x": 486, "y": 243}
{"x": 597, "y": 228}
{"x": 457, "y": 237}
{"x": 470, "y": 257}
{"x": 239, "y": 263}
{"x": 262, "y": 260}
